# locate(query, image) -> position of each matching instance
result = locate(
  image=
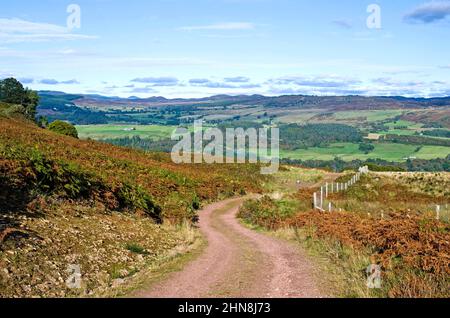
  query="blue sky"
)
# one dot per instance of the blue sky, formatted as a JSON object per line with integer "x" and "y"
{"x": 196, "y": 48}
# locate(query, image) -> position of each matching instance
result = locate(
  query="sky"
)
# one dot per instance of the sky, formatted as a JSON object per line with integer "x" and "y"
{"x": 198, "y": 48}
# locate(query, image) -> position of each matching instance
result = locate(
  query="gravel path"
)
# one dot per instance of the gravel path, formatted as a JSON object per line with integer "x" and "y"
{"x": 239, "y": 262}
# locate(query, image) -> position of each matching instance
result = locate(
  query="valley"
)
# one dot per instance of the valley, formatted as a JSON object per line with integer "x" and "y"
{"x": 380, "y": 127}
{"x": 133, "y": 223}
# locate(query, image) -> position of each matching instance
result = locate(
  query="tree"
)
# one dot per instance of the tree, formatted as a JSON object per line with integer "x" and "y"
{"x": 11, "y": 91}
{"x": 30, "y": 102}
{"x": 366, "y": 148}
{"x": 63, "y": 128}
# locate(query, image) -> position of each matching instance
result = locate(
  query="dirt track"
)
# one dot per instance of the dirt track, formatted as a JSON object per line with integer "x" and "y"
{"x": 239, "y": 262}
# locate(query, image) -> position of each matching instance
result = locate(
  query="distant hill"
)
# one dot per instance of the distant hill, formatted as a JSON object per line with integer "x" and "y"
{"x": 301, "y": 101}
{"x": 96, "y": 109}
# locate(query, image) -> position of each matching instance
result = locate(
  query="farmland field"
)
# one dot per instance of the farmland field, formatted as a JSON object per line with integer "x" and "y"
{"x": 153, "y": 132}
{"x": 350, "y": 151}
{"x": 370, "y": 115}
{"x": 345, "y": 151}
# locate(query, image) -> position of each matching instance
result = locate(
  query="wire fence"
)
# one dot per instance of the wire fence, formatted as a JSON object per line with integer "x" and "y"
{"x": 322, "y": 203}
{"x": 320, "y": 199}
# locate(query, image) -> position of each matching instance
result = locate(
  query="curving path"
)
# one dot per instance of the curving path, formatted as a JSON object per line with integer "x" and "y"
{"x": 239, "y": 262}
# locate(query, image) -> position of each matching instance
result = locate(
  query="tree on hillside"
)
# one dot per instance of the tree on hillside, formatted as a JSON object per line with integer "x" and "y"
{"x": 13, "y": 92}
{"x": 366, "y": 148}
{"x": 30, "y": 102}
{"x": 63, "y": 128}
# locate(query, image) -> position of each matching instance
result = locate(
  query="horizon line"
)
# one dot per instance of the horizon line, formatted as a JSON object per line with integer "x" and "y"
{"x": 242, "y": 95}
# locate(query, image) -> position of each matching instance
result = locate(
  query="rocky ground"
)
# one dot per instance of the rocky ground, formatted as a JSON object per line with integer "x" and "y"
{"x": 39, "y": 251}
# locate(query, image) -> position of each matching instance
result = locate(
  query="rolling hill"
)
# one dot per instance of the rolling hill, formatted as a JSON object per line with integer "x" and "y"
{"x": 112, "y": 211}
{"x": 300, "y": 101}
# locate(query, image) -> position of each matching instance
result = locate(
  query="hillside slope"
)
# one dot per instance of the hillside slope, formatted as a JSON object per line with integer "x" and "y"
{"x": 106, "y": 209}
{"x": 385, "y": 219}
{"x": 120, "y": 178}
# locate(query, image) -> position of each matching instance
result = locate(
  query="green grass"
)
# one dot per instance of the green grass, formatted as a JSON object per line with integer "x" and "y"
{"x": 349, "y": 151}
{"x": 4, "y": 106}
{"x": 302, "y": 116}
{"x": 412, "y": 129}
{"x": 136, "y": 248}
{"x": 371, "y": 115}
{"x": 154, "y": 132}
{"x": 431, "y": 152}
{"x": 285, "y": 180}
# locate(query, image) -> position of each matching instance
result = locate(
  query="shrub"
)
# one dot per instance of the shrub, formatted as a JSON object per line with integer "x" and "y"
{"x": 14, "y": 110}
{"x": 267, "y": 212}
{"x": 366, "y": 148}
{"x": 63, "y": 128}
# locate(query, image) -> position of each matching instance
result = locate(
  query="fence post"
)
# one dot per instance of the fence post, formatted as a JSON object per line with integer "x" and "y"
{"x": 330, "y": 207}
{"x": 326, "y": 190}
{"x": 438, "y": 212}
{"x": 321, "y": 198}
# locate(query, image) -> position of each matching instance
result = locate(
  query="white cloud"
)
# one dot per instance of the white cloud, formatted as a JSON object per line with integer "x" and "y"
{"x": 157, "y": 81}
{"x": 18, "y": 30}
{"x": 228, "y": 26}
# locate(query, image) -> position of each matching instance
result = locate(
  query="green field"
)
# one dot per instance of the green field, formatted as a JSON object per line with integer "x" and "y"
{"x": 370, "y": 115}
{"x": 154, "y": 132}
{"x": 345, "y": 151}
{"x": 397, "y": 128}
{"x": 386, "y": 151}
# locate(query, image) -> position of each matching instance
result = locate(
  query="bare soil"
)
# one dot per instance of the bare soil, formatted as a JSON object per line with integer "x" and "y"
{"x": 239, "y": 262}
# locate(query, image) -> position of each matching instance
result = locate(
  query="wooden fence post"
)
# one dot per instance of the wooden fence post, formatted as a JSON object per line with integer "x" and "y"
{"x": 321, "y": 198}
